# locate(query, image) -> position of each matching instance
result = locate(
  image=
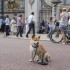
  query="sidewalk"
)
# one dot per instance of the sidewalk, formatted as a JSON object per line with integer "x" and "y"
{"x": 43, "y": 37}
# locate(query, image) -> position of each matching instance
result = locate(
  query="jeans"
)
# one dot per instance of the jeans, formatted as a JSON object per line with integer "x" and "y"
{"x": 7, "y": 30}
{"x": 50, "y": 30}
{"x": 19, "y": 31}
{"x": 31, "y": 27}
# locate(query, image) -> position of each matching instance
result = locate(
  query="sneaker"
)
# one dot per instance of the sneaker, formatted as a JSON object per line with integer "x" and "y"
{"x": 21, "y": 36}
{"x": 16, "y": 35}
{"x": 27, "y": 36}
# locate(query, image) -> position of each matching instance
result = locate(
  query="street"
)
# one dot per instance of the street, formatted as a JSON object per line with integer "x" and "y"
{"x": 15, "y": 55}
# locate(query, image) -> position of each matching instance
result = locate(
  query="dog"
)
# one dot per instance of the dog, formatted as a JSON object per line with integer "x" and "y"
{"x": 36, "y": 49}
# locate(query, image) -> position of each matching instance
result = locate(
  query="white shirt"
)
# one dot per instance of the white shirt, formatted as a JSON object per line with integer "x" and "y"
{"x": 7, "y": 21}
{"x": 26, "y": 21}
{"x": 64, "y": 18}
{"x": 13, "y": 21}
{"x": 69, "y": 18}
{"x": 31, "y": 18}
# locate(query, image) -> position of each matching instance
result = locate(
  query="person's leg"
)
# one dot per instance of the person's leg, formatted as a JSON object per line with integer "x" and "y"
{"x": 50, "y": 30}
{"x": 63, "y": 35}
{"x": 20, "y": 31}
{"x": 33, "y": 30}
{"x": 28, "y": 31}
{"x": 6, "y": 30}
{"x": 17, "y": 31}
{"x": 3, "y": 27}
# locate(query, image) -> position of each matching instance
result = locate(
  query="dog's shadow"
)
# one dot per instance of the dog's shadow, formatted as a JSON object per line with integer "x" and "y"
{"x": 40, "y": 63}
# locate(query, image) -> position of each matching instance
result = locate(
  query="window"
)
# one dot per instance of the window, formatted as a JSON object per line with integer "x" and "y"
{"x": 14, "y": 5}
{"x": 66, "y": 2}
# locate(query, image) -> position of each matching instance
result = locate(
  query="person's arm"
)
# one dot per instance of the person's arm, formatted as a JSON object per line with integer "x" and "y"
{"x": 20, "y": 20}
{"x": 5, "y": 20}
{"x": 61, "y": 15}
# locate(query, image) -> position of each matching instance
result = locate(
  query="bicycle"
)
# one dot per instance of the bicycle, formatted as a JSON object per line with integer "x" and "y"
{"x": 56, "y": 36}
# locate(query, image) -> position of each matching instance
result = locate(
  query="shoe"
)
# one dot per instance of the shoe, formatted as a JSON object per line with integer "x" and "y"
{"x": 16, "y": 35}
{"x": 27, "y": 36}
{"x": 7, "y": 34}
{"x": 21, "y": 36}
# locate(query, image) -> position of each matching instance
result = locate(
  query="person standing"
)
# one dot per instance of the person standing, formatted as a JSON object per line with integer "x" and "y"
{"x": 51, "y": 27}
{"x": 27, "y": 25}
{"x": 63, "y": 24}
{"x": 31, "y": 22}
{"x": 19, "y": 26}
{"x": 13, "y": 26}
{"x": 7, "y": 23}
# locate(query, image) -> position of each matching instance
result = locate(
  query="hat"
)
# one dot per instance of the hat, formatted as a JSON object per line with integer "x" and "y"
{"x": 64, "y": 9}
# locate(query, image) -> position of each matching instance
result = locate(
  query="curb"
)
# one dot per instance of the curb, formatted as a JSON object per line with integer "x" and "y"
{"x": 42, "y": 38}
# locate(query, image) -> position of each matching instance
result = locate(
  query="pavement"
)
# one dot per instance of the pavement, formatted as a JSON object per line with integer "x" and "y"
{"x": 43, "y": 36}
{"x": 15, "y": 55}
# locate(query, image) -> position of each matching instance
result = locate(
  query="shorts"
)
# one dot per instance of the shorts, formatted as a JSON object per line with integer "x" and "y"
{"x": 62, "y": 27}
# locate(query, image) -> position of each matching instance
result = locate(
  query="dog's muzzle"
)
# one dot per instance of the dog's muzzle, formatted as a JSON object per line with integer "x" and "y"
{"x": 35, "y": 45}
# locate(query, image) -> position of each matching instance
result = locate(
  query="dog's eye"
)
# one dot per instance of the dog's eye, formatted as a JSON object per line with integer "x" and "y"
{"x": 34, "y": 40}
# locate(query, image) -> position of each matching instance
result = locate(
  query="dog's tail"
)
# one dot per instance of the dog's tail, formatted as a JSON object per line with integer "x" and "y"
{"x": 47, "y": 57}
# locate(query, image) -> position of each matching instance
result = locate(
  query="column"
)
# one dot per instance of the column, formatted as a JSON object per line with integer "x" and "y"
{"x": 35, "y": 8}
{"x": 58, "y": 12}
{"x": 53, "y": 11}
{"x": 2, "y": 7}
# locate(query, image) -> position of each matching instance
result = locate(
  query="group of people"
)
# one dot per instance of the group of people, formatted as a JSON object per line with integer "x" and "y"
{"x": 11, "y": 25}
{"x": 15, "y": 25}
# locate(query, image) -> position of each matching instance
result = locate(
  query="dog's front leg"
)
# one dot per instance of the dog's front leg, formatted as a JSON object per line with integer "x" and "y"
{"x": 32, "y": 57}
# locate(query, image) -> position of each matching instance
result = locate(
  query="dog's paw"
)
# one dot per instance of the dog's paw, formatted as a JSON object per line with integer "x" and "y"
{"x": 43, "y": 63}
{"x": 31, "y": 60}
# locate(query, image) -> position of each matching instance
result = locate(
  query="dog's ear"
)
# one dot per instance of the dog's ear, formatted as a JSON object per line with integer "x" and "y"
{"x": 33, "y": 36}
{"x": 38, "y": 37}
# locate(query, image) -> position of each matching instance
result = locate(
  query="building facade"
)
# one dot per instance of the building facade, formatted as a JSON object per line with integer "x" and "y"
{"x": 43, "y": 9}
{"x": 12, "y": 7}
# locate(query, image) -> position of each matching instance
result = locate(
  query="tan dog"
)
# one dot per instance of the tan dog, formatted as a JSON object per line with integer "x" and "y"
{"x": 38, "y": 50}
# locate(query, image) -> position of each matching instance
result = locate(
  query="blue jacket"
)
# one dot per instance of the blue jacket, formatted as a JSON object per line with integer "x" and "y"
{"x": 1, "y": 21}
